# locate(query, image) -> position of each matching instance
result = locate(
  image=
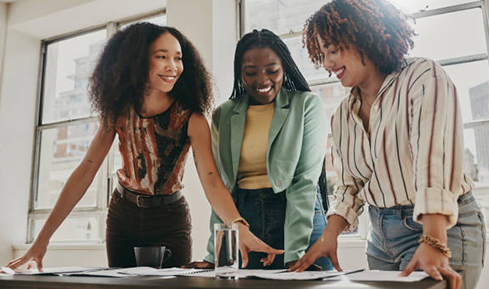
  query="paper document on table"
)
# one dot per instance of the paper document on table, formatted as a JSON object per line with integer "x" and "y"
{"x": 280, "y": 274}
{"x": 242, "y": 273}
{"x": 306, "y": 275}
{"x": 391, "y": 276}
{"x": 50, "y": 271}
{"x": 137, "y": 271}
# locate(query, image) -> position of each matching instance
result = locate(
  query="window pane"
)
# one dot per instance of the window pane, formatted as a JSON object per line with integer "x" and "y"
{"x": 62, "y": 149}
{"x": 74, "y": 228}
{"x": 331, "y": 94}
{"x": 421, "y": 5}
{"x": 301, "y": 58}
{"x": 69, "y": 64}
{"x": 471, "y": 80}
{"x": 445, "y": 36}
{"x": 477, "y": 154}
{"x": 477, "y": 164}
{"x": 279, "y": 16}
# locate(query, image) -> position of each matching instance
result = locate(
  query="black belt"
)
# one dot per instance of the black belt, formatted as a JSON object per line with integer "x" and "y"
{"x": 147, "y": 201}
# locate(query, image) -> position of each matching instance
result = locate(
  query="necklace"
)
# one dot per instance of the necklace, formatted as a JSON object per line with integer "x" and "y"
{"x": 367, "y": 102}
{"x": 364, "y": 99}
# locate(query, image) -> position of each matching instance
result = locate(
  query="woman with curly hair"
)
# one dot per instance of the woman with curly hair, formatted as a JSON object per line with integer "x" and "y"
{"x": 397, "y": 146}
{"x": 269, "y": 149}
{"x": 151, "y": 89}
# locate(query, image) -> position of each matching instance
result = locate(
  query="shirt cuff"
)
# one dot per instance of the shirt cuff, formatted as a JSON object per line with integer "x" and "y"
{"x": 292, "y": 256}
{"x": 436, "y": 201}
{"x": 209, "y": 258}
{"x": 350, "y": 215}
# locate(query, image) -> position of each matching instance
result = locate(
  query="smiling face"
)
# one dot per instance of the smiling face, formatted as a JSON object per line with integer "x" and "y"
{"x": 165, "y": 62}
{"x": 347, "y": 64}
{"x": 262, "y": 74}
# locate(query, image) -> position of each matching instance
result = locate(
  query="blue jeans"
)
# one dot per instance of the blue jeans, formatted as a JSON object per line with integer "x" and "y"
{"x": 265, "y": 211}
{"x": 393, "y": 239}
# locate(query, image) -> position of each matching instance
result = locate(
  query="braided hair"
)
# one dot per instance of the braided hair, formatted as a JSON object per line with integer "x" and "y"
{"x": 294, "y": 80}
{"x": 376, "y": 28}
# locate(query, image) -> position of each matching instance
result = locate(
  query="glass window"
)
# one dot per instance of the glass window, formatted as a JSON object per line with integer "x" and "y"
{"x": 74, "y": 229}
{"x": 331, "y": 94}
{"x": 66, "y": 128}
{"x": 471, "y": 79}
{"x": 68, "y": 65}
{"x": 412, "y": 6}
{"x": 279, "y": 16}
{"x": 445, "y": 36}
{"x": 304, "y": 63}
{"x": 62, "y": 149}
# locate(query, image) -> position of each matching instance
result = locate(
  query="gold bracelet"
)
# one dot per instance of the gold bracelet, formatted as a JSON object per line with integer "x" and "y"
{"x": 240, "y": 220}
{"x": 437, "y": 244}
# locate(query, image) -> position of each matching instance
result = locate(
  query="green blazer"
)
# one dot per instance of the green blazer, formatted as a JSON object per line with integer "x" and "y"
{"x": 295, "y": 153}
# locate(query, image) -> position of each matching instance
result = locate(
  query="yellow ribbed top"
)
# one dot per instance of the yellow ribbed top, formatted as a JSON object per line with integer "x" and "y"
{"x": 252, "y": 170}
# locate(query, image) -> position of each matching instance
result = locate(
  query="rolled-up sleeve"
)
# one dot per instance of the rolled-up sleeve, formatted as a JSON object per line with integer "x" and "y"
{"x": 436, "y": 142}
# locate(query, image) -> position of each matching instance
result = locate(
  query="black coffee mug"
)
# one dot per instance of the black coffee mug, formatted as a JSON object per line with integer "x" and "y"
{"x": 152, "y": 256}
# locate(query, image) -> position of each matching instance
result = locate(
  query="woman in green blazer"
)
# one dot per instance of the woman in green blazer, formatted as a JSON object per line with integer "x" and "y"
{"x": 269, "y": 144}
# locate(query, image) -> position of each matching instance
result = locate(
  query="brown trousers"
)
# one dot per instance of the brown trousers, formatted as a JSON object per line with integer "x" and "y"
{"x": 129, "y": 226}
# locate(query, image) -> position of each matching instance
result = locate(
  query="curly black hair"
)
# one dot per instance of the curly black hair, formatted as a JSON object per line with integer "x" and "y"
{"x": 266, "y": 38}
{"x": 120, "y": 77}
{"x": 376, "y": 28}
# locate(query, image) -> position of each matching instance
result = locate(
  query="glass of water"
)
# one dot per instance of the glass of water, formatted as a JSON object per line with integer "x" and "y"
{"x": 226, "y": 251}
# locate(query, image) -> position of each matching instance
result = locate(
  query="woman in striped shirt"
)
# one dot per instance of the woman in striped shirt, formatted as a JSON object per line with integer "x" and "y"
{"x": 398, "y": 146}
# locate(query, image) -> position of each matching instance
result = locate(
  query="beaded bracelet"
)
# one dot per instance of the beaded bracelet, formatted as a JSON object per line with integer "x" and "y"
{"x": 437, "y": 244}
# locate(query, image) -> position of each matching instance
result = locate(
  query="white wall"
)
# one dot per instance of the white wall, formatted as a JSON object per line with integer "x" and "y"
{"x": 17, "y": 113}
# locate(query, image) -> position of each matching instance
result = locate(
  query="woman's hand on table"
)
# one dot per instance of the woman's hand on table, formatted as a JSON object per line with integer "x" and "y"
{"x": 435, "y": 264}
{"x": 199, "y": 265}
{"x": 35, "y": 254}
{"x": 248, "y": 242}
{"x": 325, "y": 246}
{"x": 312, "y": 267}
{"x": 430, "y": 259}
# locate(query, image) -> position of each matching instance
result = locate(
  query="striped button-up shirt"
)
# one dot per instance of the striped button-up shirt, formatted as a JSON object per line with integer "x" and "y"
{"x": 413, "y": 152}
